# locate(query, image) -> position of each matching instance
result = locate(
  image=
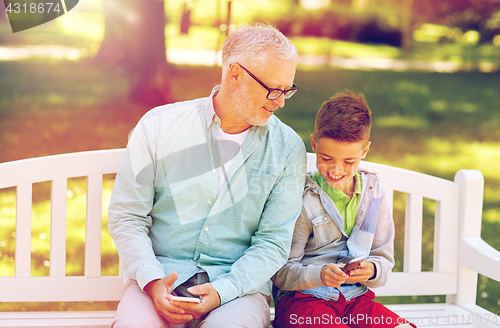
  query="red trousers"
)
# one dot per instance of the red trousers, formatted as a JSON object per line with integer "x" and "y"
{"x": 302, "y": 310}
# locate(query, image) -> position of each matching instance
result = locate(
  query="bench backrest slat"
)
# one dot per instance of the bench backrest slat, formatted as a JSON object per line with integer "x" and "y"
{"x": 58, "y": 228}
{"x": 413, "y": 234}
{"x": 446, "y": 232}
{"x": 93, "y": 232}
{"x": 23, "y": 230}
{"x": 48, "y": 168}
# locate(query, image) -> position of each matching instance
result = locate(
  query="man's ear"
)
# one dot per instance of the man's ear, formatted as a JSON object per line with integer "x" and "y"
{"x": 313, "y": 143}
{"x": 234, "y": 73}
{"x": 367, "y": 148}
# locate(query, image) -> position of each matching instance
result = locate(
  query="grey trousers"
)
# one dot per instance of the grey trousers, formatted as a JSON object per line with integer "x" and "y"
{"x": 137, "y": 310}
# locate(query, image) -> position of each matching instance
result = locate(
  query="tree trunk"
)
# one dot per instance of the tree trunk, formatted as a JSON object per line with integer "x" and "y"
{"x": 406, "y": 22}
{"x": 135, "y": 41}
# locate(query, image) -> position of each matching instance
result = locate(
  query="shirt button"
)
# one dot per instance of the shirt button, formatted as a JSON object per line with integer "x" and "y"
{"x": 206, "y": 229}
{"x": 198, "y": 264}
{"x": 325, "y": 218}
{"x": 209, "y": 202}
{"x": 214, "y": 170}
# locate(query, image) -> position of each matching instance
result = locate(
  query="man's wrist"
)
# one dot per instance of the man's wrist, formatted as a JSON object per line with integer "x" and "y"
{"x": 149, "y": 286}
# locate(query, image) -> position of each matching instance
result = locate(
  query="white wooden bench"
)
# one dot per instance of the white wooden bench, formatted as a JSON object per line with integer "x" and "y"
{"x": 459, "y": 252}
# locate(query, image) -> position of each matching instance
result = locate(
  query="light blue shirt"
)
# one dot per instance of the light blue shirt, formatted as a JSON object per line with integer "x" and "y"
{"x": 165, "y": 214}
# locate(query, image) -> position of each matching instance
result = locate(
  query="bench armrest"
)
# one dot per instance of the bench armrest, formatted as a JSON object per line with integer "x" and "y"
{"x": 479, "y": 256}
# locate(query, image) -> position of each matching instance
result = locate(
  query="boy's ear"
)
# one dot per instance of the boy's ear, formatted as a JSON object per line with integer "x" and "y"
{"x": 313, "y": 143}
{"x": 367, "y": 148}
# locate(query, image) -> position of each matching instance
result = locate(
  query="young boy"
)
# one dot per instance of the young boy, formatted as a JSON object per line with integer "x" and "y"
{"x": 345, "y": 215}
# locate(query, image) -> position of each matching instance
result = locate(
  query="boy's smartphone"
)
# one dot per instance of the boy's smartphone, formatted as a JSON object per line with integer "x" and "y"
{"x": 186, "y": 299}
{"x": 353, "y": 264}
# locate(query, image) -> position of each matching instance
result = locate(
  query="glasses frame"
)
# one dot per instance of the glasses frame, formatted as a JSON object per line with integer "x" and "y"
{"x": 290, "y": 92}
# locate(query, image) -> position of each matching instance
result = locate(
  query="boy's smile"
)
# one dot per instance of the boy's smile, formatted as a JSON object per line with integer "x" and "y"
{"x": 338, "y": 161}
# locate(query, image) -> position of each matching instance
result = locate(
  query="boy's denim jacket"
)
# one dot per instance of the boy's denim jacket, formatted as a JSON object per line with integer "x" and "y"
{"x": 319, "y": 239}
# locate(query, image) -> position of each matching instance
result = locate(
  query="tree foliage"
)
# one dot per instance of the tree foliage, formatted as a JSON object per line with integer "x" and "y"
{"x": 464, "y": 14}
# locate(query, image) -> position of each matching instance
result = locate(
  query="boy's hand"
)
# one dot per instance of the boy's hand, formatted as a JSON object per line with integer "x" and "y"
{"x": 332, "y": 275}
{"x": 365, "y": 272}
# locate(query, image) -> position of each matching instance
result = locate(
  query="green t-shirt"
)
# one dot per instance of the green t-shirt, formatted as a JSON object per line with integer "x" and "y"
{"x": 346, "y": 206}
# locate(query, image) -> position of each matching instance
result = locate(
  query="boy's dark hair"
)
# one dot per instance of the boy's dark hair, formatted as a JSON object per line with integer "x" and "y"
{"x": 345, "y": 117}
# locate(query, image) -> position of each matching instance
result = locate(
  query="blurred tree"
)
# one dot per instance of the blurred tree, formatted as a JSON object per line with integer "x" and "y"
{"x": 3, "y": 13}
{"x": 185, "y": 19}
{"x": 134, "y": 41}
{"x": 406, "y": 21}
{"x": 464, "y": 14}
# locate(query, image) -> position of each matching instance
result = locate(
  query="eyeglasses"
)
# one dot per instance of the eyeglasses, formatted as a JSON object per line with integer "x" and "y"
{"x": 272, "y": 94}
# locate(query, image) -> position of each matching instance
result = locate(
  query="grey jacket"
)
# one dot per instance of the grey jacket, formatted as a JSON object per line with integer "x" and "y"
{"x": 319, "y": 239}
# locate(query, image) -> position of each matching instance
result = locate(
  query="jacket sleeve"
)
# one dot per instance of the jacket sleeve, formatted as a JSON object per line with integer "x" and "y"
{"x": 294, "y": 275}
{"x": 382, "y": 252}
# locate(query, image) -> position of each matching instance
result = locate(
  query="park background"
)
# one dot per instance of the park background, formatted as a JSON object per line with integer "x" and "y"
{"x": 429, "y": 70}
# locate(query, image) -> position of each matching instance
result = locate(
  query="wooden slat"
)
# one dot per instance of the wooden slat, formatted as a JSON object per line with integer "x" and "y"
{"x": 424, "y": 283}
{"x": 93, "y": 234}
{"x": 413, "y": 234}
{"x": 94, "y": 319}
{"x": 23, "y": 230}
{"x": 446, "y": 237}
{"x": 471, "y": 204}
{"x": 66, "y": 289}
{"x": 413, "y": 182}
{"x": 446, "y": 315}
{"x": 482, "y": 313}
{"x": 55, "y": 167}
{"x": 311, "y": 162}
{"x": 58, "y": 228}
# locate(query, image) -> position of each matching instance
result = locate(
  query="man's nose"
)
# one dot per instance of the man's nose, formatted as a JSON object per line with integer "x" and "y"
{"x": 280, "y": 101}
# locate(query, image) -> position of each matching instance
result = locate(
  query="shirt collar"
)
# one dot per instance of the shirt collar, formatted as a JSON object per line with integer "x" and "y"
{"x": 211, "y": 116}
{"x": 357, "y": 184}
{"x": 334, "y": 193}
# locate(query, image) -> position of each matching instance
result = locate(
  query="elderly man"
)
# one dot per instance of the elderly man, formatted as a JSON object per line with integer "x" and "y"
{"x": 206, "y": 199}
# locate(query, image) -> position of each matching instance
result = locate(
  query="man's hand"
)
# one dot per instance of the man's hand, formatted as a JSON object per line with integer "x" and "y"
{"x": 365, "y": 272}
{"x": 332, "y": 275}
{"x": 209, "y": 300}
{"x": 160, "y": 292}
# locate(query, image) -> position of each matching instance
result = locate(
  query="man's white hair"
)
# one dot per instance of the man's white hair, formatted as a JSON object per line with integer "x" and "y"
{"x": 250, "y": 45}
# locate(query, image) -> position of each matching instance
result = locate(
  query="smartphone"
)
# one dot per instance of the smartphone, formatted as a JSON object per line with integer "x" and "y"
{"x": 353, "y": 264}
{"x": 186, "y": 299}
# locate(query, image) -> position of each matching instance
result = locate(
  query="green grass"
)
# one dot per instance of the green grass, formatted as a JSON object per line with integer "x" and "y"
{"x": 434, "y": 123}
